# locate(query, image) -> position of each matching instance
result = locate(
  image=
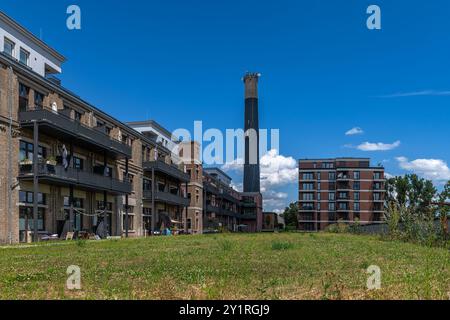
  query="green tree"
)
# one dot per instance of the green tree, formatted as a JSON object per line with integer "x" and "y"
{"x": 290, "y": 215}
{"x": 444, "y": 209}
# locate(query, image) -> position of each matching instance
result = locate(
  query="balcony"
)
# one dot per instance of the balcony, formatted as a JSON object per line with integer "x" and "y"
{"x": 82, "y": 179}
{"x": 167, "y": 197}
{"x": 171, "y": 170}
{"x": 62, "y": 126}
{"x": 214, "y": 209}
{"x": 248, "y": 204}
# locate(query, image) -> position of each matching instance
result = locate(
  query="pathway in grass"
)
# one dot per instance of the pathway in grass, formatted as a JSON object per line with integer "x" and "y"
{"x": 235, "y": 266}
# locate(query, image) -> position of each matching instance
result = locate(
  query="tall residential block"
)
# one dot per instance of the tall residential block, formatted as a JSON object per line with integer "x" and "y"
{"x": 340, "y": 189}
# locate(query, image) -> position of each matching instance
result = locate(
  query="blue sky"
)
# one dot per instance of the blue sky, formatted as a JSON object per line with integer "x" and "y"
{"x": 323, "y": 72}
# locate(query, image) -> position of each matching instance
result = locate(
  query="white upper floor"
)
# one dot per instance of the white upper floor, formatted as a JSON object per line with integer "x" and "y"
{"x": 27, "y": 49}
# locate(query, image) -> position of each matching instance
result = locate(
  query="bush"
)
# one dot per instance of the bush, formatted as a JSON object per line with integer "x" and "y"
{"x": 340, "y": 227}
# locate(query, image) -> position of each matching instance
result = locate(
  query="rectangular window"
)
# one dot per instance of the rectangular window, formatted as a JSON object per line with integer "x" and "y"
{"x": 24, "y": 57}
{"x": 78, "y": 163}
{"x": 319, "y": 176}
{"x": 356, "y": 175}
{"x": 331, "y": 176}
{"x": 319, "y": 187}
{"x": 77, "y": 116}
{"x": 77, "y": 202}
{"x": 147, "y": 184}
{"x": 343, "y": 206}
{"x": 26, "y": 151}
{"x": 38, "y": 100}
{"x": 308, "y": 196}
{"x": 356, "y": 196}
{"x": 101, "y": 206}
{"x": 28, "y": 198}
{"x": 8, "y": 47}
{"x": 23, "y": 97}
{"x": 130, "y": 222}
{"x": 308, "y": 186}
{"x": 356, "y": 206}
{"x": 308, "y": 176}
{"x": 331, "y": 196}
{"x": 356, "y": 185}
{"x": 332, "y": 207}
{"x": 377, "y": 196}
{"x": 377, "y": 175}
{"x": 319, "y": 196}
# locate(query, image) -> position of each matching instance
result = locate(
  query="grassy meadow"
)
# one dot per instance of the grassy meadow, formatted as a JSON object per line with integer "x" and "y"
{"x": 228, "y": 266}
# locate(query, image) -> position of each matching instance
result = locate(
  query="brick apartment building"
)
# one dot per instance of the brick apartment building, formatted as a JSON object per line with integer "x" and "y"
{"x": 70, "y": 166}
{"x": 341, "y": 189}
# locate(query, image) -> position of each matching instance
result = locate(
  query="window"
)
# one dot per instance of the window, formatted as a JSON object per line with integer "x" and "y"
{"x": 26, "y": 221}
{"x": 308, "y": 176}
{"x": 8, "y": 47}
{"x": 343, "y": 206}
{"x": 147, "y": 184}
{"x": 377, "y": 186}
{"x": 342, "y": 195}
{"x": 308, "y": 186}
{"x": 331, "y": 196}
{"x": 77, "y": 202}
{"x": 23, "y": 97}
{"x": 357, "y": 196}
{"x": 130, "y": 221}
{"x": 377, "y": 196}
{"x": 319, "y": 186}
{"x": 101, "y": 206}
{"x": 318, "y": 176}
{"x": 357, "y": 175}
{"x": 319, "y": 196}
{"x": 77, "y": 115}
{"x": 332, "y": 206}
{"x": 331, "y": 176}
{"x": 78, "y": 163}
{"x": 356, "y": 185}
{"x": 27, "y": 197}
{"x": 327, "y": 165}
{"x": 377, "y": 176}
{"x": 26, "y": 151}
{"x": 38, "y": 100}
{"x": 24, "y": 56}
{"x": 308, "y": 196}
{"x": 356, "y": 206}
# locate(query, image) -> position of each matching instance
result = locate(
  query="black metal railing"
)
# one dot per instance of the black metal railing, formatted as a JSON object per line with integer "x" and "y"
{"x": 77, "y": 177}
{"x": 169, "y": 169}
{"x": 166, "y": 197}
{"x": 63, "y": 123}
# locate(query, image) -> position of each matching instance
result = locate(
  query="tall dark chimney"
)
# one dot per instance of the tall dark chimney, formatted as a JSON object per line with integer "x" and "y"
{"x": 251, "y": 166}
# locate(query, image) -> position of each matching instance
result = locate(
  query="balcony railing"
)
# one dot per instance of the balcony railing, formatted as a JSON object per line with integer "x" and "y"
{"x": 84, "y": 179}
{"x": 171, "y": 170}
{"x": 167, "y": 197}
{"x": 61, "y": 125}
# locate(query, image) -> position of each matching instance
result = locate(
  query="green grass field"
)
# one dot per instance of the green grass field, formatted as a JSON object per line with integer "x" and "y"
{"x": 235, "y": 266}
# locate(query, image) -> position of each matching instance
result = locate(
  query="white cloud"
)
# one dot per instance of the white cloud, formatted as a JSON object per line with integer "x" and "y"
{"x": 369, "y": 146}
{"x": 432, "y": 169}
{"x": 235, "y": 165}
{"x": 388, "y": 175}
{"x": 277, "y": 170}
{"x": 354, "y": 131}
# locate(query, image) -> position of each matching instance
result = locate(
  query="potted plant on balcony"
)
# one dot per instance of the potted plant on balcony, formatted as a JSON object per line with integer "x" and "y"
{"x": 26, "y": 165}
{"x": 51, "y": 164}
